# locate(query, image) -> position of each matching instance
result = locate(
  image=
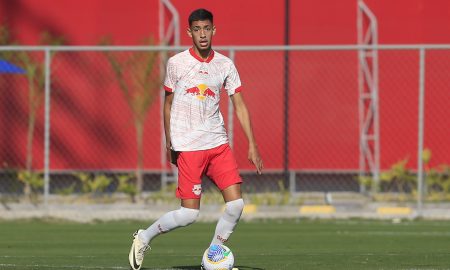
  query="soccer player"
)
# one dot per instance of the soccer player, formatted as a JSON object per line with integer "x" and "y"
{"x": 195, "y": 131}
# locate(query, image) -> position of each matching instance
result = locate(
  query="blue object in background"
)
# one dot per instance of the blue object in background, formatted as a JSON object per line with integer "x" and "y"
{"x": 6, "y": 67}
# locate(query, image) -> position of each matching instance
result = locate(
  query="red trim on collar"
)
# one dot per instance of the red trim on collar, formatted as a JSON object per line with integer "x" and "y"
{"x": 210, "y": 57}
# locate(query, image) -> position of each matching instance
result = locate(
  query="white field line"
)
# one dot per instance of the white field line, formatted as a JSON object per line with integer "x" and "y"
{"x": 386, "y": 223}
{"x": 15, "y": 256}
{"x": 83, "y": 256}
{"x": 119, "y": 267}
{"x": 394, "y": 233}
{"x": 259, "y": 254}
{"x": 8, "y": 265}
{"x": 58, "y": 266}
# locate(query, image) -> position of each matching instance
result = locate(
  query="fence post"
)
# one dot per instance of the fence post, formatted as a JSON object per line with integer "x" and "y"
{"x": 421, "y": 126}
{"x": 47, "y": 128}
{"x": 292, "y": 182}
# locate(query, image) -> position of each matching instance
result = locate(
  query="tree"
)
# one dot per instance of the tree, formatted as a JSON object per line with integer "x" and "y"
{"x": 34, "y": 68}
{"x": 137, "y": 75}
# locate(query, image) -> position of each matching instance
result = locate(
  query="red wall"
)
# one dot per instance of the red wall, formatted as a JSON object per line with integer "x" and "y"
{"x": 81, "y": 22}
{"x": 323, "y": 102}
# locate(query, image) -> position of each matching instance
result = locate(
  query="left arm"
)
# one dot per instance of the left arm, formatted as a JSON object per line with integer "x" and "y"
{"x": 244, "y": 118}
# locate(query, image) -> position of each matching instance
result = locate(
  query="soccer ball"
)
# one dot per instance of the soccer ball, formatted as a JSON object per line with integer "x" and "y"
{"x": 217, "y": 257}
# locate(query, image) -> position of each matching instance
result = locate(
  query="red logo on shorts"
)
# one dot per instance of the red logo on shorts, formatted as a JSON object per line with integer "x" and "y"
{"x": 197, "y": 189}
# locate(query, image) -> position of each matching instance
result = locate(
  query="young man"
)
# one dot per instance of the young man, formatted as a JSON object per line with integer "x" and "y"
{"x": 195, "y": 130}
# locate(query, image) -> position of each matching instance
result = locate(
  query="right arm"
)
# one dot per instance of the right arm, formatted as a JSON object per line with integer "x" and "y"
{"x": 166, "y": 112}
{"x": 169, "y": 86}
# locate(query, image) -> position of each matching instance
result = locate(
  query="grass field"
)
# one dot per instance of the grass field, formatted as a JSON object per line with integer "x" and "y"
{"x": 287, "y": 244}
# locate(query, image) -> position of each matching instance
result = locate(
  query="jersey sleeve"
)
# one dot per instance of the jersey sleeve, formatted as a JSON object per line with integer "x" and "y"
{"x": 232, "y": 82}
{"x": 170, "y": 79}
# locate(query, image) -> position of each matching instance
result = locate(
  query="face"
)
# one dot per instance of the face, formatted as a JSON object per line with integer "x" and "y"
{"x": 201, "y": 33}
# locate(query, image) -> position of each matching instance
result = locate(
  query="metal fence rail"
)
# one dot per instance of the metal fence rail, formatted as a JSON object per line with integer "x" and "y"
{"x": 85, "y": 124}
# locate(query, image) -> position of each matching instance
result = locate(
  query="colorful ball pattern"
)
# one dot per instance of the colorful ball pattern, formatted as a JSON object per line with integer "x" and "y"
{"x": 218, "y": 257}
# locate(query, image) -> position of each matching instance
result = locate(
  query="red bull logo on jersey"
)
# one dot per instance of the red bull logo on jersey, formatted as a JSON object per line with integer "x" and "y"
{"x": 201, "y": 91}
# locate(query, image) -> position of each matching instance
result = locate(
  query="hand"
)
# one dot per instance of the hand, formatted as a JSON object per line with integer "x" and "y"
{"x": 169, "y": 154}
{"x": 255, "y": 158}
{"x": 172, "y": 156}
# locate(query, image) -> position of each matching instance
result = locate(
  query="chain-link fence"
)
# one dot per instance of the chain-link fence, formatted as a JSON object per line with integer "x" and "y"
{"x": 87, "y": 120}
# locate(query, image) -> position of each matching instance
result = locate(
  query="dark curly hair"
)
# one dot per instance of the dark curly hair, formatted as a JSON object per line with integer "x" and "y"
{"x": 200, "y": 14}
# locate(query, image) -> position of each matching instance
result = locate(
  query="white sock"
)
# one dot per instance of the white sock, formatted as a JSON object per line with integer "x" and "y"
{"x": 228, "y": 221}
{"x": 169, "y": 221}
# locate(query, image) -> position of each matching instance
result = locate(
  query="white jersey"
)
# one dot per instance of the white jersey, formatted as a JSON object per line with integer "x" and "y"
{"x": 195, "y": 119}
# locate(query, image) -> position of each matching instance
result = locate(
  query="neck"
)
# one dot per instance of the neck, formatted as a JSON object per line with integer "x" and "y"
{"x": 204, "y": 54}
